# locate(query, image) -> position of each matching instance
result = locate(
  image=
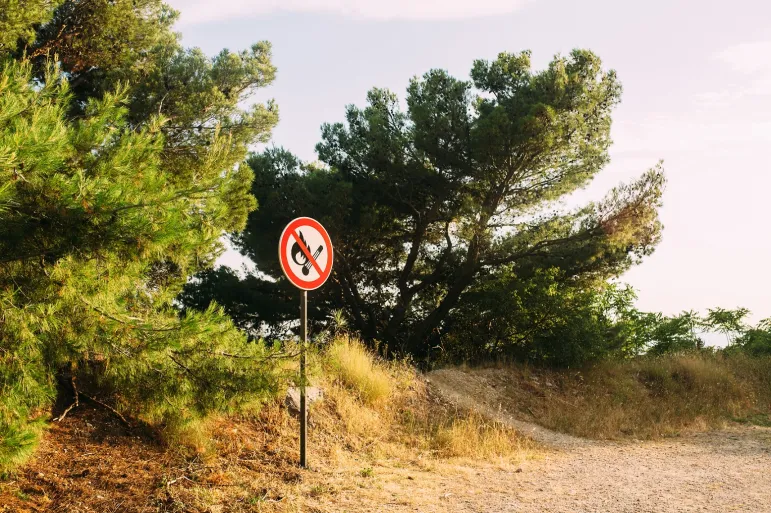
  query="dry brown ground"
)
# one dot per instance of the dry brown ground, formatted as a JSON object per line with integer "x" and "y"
{"x": 92, "y": 463}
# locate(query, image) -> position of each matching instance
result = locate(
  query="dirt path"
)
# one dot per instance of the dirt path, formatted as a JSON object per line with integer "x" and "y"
{"x": 711, "y": 472}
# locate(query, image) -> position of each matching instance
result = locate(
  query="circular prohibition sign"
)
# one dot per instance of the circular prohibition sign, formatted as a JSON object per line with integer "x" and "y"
{"x": 305, "y": 253}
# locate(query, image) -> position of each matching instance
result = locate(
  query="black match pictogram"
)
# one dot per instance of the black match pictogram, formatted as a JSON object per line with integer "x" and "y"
{"x": 300, "y": 254}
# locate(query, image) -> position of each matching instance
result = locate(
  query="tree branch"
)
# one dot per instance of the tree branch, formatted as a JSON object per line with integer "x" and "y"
{"x": 109, "y": 408}
{"x": 75, "y": 404}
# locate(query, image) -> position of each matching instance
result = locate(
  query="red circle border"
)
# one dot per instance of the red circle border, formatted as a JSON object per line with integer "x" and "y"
{"x": 284, "y": 240}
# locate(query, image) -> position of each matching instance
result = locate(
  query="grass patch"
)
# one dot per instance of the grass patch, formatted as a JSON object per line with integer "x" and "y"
{"x": 646, "y": 397}
{"x": 760, "y": 419}
{"x": 472, "y": 435}
{"x": 387, "y": 410}
{"x": 357, "y": 368}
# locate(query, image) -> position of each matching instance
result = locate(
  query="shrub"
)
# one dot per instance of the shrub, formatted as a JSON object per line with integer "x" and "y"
{"x": 97, "y": 235}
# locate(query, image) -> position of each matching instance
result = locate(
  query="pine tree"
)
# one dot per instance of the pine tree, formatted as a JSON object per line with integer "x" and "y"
{"x": 117, "y": 181}
{"x": 465, "y": 185}
{"x": 18, "y": 19}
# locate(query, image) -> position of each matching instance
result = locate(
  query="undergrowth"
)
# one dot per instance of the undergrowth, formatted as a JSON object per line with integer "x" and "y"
{"x": 377, "y": 424}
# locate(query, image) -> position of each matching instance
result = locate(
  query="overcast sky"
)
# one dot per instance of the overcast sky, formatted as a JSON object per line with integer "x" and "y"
{"x": 697, "y": 94}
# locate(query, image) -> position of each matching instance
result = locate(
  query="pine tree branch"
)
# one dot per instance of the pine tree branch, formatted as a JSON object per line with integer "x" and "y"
{"x": 109, "y": 408}
{"x": 274, "y": 356}
{"x": 187, "y": 369}
{"x": 534, "y": 250}
{"x": 132, "y": 320}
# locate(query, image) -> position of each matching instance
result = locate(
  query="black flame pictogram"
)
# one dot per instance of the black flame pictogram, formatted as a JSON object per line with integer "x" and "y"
{"x": 299, "y": 257}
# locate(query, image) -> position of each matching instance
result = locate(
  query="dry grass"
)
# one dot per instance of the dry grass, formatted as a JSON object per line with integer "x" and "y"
{"x": 641, "y": 398}
{"x": 476, "y": 436}
{"x": 389, "y": 402}
{"x": 379, "y": 425}
{"x": 428, "y": 423}
{"x": 364, "y": 444}
{"x": 350, "y": 362}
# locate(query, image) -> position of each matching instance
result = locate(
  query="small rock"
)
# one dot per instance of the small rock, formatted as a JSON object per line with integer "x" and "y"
{"x": 518, "y": 471}
{"x": 312, "y": 394}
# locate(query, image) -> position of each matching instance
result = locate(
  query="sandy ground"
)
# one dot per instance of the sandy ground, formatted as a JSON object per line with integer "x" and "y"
{"x": 721, "y": 471}
{"x": 718, "y": 472}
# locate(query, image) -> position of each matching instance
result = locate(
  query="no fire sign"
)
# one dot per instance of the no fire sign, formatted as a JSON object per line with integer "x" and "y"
{"x": 305, "y": 253}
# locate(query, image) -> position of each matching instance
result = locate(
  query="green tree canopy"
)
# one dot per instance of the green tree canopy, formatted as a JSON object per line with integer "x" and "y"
{"x": 119, "y": 174}
{"x": 423, "y": 203}
{"x": 728, "y": 322}
{"x": 18, "y": 20}
{"x": 755, "y": 340}
{"x": 544, "y": 319}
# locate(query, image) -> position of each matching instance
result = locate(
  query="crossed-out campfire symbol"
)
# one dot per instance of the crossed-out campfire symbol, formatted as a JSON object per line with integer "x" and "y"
{"x": 300, "y": 258}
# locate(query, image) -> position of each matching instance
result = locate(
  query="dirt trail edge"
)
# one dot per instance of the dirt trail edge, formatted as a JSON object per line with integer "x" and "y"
{"x": 472, "y": 391}
{"x": 721, "y": 471}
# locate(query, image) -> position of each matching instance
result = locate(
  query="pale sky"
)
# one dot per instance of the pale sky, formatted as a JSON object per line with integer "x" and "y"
{"x": 697, "y": 94}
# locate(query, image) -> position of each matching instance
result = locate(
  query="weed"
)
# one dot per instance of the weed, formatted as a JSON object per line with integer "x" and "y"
{"x": 759, "y": 419}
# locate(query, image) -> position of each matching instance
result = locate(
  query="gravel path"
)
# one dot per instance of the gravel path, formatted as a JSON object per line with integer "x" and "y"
{"x": 710, "y": 472}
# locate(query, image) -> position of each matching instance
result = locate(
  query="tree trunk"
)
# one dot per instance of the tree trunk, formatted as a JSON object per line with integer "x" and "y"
{"x": 416, "y": 342}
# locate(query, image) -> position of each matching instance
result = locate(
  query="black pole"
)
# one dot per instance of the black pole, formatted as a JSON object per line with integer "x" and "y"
{"x": 303, "y": 401}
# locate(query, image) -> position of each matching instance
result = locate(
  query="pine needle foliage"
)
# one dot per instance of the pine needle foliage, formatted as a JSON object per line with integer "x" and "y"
{"x": 18, "y": 19}
{"x": 117, "y": 182}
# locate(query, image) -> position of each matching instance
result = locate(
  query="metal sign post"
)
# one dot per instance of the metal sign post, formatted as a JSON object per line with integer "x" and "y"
{"x": 303, "y": 399}
{"x": 305, "y": 253}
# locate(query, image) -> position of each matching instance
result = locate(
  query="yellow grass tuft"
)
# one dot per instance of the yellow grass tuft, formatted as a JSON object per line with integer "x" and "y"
{"x": 387, "y": 408}
{"x": 358, "y": 369}
{"x": 474, "y": 436}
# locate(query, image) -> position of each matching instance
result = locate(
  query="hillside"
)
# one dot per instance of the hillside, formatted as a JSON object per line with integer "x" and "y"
{"x": 379, "y": 438}
{"x": 639, "y": 398}
{"x": 698, "y": 469}
{"x": 447, "y": 442}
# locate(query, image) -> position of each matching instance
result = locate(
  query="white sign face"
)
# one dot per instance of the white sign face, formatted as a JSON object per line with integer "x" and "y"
{"x": 305, "y": 253}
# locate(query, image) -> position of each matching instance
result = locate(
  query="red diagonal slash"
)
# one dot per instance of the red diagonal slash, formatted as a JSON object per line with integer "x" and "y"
{"x": 307, "y": 253}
